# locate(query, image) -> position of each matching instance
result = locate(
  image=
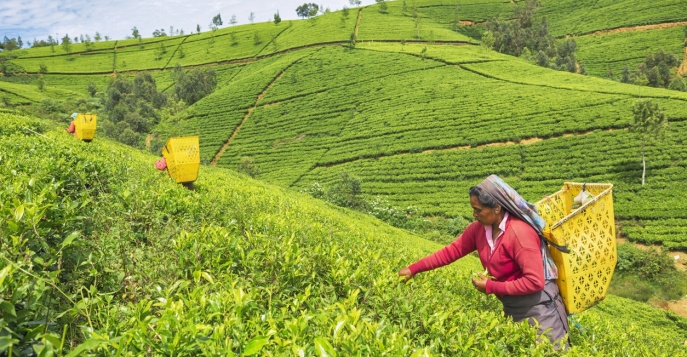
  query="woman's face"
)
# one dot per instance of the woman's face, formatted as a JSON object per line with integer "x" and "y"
{"x": 483, "y": 214}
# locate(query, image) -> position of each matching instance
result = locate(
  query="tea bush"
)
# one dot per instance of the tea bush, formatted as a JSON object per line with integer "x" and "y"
{"x": 103, "y": 255}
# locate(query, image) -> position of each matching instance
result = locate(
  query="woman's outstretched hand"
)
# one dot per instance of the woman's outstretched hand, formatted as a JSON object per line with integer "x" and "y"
{"x": 480, "y": 282}
{"x": 406, "y": 274}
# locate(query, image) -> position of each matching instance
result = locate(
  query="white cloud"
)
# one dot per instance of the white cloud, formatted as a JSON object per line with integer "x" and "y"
{"x": 41, "y": 18}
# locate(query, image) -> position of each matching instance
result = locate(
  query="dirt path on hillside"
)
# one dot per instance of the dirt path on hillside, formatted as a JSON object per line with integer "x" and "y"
{"x": 664, "y": 25}
{"x": 245, "y": 118}
{"x": 680, "y": 258}
{"x": 683, "y": 67}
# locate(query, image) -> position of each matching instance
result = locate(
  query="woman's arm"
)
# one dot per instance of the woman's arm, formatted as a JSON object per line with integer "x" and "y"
{"x": 464, "y": 244}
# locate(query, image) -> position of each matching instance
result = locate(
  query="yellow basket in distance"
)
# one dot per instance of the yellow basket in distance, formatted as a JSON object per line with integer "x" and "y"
{"x": 183, "y": 158}
{"x": 585, "y": 273}
{"x": 85, "y": 126}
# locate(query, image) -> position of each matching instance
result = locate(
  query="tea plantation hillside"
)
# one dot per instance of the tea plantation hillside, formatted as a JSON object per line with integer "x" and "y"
{"x": 420, "y": 124}
{"x": 412, "y": 106}
{"x": 103, "y": 255}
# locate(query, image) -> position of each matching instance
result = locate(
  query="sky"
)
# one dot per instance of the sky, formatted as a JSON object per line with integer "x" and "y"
{"x": 38, "y": 19}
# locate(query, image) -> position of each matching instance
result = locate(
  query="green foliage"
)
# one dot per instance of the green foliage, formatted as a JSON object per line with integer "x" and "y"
{"x": 132, "y": 108}
{"x": 10, "y": 44}
{"x": 383, "y": 6}
{"x": 66, "y": 44}
{"x": 191, "y": 86}
{"x": 522, "y": 33}
{"x": 658, "y": 69}
{"x": 239, "y": 267}
{"x": 649, "y": 120}
{"x": 92, "y": 89}
{"x": 345, "y": 191}
{"x": 643, "y": 274}
{"x": 248, "y": 166}
{"x": 216, "y": 21}
{"x": 7, "y": 66}
{"x": 617, "y": 50}
{"x": 574, "y": 17}
{"x": 307, "y": 10}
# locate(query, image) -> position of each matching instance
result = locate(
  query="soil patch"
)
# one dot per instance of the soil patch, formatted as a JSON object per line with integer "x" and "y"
{"x": 683, "y": 67}
{"x": 678, "y": 306}
{"x": 641, "y": 28}
{"x": 531, "y": 140}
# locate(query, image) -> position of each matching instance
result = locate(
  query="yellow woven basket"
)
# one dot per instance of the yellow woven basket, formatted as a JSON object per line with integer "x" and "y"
{"x": 85, "y": 126}
{"x": 585, "y": 273}
{"x": 183, "y": 158}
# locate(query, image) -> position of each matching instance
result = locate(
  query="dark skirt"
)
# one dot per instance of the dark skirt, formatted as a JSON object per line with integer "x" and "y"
{"x": 546, "y": 307}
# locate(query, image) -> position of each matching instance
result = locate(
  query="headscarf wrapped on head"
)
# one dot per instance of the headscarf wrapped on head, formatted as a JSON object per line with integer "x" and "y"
{"x": 511, "y": 201}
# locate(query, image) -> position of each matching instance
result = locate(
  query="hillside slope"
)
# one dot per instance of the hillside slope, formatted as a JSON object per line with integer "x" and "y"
{"x": 418, "y": 122}
{"x": 121, "y": 260}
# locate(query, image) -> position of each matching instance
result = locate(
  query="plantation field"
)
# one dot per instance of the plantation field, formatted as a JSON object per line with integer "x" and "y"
{"x": 28, "y": 93}
{"x": 304, "y": 107}
{"x": 103, "y": 255}
{"x": 398, "y": 25}
{"x": 465, "y": 10}
{"x": 311, "y": 123}
{"x": 240, "y": 267}
{"x": 609, "y": 54}
{"x": 579, "y": 17}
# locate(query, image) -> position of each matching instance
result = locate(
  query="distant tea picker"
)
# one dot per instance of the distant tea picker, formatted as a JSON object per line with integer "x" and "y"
{"x": 181, "y": 159}
{"x": 83, "y": 126}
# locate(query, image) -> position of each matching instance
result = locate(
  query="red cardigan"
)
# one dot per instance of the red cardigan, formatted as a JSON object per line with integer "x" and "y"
{"x": 516, "y": 263}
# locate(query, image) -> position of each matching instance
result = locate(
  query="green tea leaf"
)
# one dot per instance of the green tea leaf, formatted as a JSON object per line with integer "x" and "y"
{"x": 67, "y": 241}
{"x": 19, "y": 213}
{"x": 255, "y": 345}
{"x": 89, "y": 345}
{"x": 6, "y": 342}
{"x": 7, "y": 309}
{"x": 4, "y": 273}
{"x": 323, "y": 347}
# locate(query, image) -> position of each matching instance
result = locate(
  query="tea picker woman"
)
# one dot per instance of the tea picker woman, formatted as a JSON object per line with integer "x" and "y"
{"x": 507, "y": 236}
{"x": 161, "y": 165}
{"x": 72, "y": 125}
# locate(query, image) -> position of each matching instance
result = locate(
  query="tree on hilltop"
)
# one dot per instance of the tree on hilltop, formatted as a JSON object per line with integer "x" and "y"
{"x": 649, "y": 123}
{"x": 9, "y": 44}
{"x": 135, "y": 33}
{"x": 216, "y": 22}
{"x": 382, "y": 6}
{"x": 307, "y": 10}
{"x": 277, "y": 18}
{"x": 67, "y": 44}
{"x": 251, "y": 17}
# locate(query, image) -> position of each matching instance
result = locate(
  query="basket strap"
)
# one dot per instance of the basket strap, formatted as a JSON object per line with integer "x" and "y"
{"x": 562, "y": 248}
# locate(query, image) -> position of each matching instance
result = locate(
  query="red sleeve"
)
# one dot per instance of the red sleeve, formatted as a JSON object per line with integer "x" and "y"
{"x": 464, "y": 244}
{"x": 72, "y": 127}
{"x": 524, "y": 249}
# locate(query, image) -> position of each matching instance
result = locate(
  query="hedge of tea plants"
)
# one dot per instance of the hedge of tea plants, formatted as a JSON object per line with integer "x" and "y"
{"x": 104, "y": 255}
